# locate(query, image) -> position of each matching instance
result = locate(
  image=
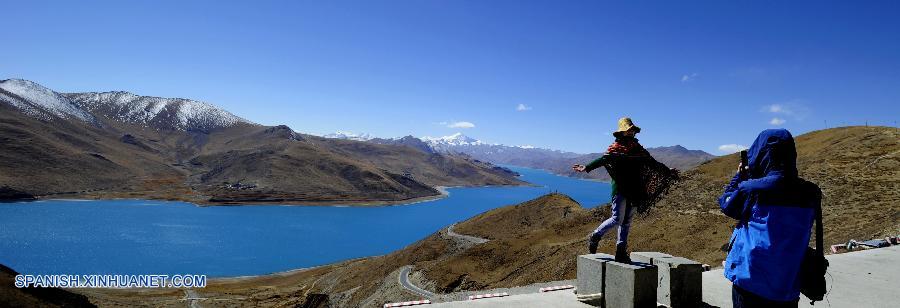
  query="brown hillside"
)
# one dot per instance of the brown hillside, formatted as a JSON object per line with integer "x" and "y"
{"x": 212, "y": 157}
{"x": 10, "y": 296}
{"x": 858, "y": 169}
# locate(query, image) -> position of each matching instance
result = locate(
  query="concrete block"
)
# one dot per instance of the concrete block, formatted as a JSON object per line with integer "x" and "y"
{"x": 648, "y": 256}
{"x": 680, "y": 280}
{"x": 629, "y": 285}
{"x": 590, "y": 273}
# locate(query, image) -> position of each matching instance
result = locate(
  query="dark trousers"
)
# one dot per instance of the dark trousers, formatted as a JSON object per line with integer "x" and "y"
{"x": 741, "y": 298}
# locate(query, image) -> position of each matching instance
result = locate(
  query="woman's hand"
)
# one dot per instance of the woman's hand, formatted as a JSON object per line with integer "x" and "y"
{"x": 578, "y": 168}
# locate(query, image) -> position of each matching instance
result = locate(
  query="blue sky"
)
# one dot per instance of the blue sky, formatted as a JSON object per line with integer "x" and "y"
{"x": 699, "y": 74}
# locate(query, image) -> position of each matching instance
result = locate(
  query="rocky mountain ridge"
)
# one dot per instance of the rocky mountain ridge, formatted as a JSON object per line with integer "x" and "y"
{"x": 556, "y": 161}
{"x": 118, "y": 144}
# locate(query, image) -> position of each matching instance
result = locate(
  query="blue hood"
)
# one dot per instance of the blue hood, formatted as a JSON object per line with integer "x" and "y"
{"x": 775, "y": 210}
{"x": 773, "y": 151}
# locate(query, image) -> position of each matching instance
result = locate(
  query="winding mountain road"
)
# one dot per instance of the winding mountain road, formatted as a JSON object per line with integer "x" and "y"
{"x": 468, "y": 240}
{"x": 404, "y": 282}
{"x": 192, "y": 298}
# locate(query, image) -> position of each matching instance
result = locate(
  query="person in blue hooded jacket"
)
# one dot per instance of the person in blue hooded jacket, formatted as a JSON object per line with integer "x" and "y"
{"x": 775, "y": 209}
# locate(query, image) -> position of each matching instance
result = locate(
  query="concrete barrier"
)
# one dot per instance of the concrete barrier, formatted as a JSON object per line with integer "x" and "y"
{"x": 630, "y": 285}
{"x": 603, "y": 282}
{"x": 590, "y": 272}
{"x": 680, "y": 279}
{"x": 648, "y": 256}
{"x": 407, "y": 304}
{"x": 489, "y": 295}
{"x": 556, "y": 288}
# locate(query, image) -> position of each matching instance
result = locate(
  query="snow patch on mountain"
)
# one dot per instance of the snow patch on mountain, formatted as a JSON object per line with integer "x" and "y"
{"x": 349, "y": 136}
{"x": 457, "y": 139}
{"x": 149, "y": 111}
{"x": 40, "y": 102}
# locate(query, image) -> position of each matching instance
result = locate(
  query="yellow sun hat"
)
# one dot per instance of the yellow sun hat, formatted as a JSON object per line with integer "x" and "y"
{"x": 625, "y": 124}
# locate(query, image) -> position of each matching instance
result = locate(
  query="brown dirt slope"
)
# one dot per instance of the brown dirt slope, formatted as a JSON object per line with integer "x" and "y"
{"x": 10, "y": 296}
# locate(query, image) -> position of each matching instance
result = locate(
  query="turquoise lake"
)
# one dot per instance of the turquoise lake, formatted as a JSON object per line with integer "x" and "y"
{"x": 159, "y": 237}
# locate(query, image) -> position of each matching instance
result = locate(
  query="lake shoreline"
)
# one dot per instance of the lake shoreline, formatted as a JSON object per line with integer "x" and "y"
{"x": 201, "y": 202}
{"x": 442, "y": 193}
{"x": 316, "y": 235}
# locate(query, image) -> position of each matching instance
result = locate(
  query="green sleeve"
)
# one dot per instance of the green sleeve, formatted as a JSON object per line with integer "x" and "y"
{"x": 597, "y": 163}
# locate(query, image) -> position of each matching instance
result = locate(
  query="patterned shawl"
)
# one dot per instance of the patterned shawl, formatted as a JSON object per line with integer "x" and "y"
{"x": 641, "y": 179}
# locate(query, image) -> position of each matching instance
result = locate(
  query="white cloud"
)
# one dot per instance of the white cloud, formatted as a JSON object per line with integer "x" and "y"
{"x": 689, "y": 77}
{"x": 523, "y": 107}
{"x": 795, "y": 110}
{"x": 778, "y": 109}
{"x": 461, "y": 124}
{"x": 732, "y": 148}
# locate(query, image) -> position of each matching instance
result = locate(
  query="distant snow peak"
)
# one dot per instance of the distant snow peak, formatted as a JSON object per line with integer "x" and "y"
{"x": 40, "y": 102}
{"x": 349, "y": 136}
{"x": 525, "y": 146}
{"x": 456, "y": 139}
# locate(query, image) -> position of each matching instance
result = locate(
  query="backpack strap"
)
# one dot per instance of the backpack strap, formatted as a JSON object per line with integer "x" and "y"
{"x": 820, "y": 250}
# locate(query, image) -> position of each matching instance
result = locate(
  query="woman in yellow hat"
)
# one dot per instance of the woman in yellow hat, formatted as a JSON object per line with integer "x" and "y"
{"x": 638, "y": 181}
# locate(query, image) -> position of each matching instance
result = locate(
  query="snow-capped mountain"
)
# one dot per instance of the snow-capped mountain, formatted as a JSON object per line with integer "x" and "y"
{"x": 349, "y": 136}
{"x": 157, "y": 112}
{"x": 40, "y": 102}
{"x": 457, "y": 139}
{"x": 492, "y": 152}
{"x": 461, "y": 143}
{"x": 556, "y": 161}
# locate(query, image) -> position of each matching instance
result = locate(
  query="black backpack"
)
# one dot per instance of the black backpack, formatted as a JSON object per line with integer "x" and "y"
{"x": 814, "y": 266}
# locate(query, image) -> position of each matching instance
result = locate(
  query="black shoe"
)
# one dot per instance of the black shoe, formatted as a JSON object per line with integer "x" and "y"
{"x": 622, "y": 254}
{"x": 592, "y": 244}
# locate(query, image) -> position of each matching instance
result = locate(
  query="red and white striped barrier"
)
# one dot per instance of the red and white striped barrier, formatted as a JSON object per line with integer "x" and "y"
{"x": 480, "y": 296}
{"x": 837, "y": 248}
{"x": 405, "y": 304}
{"x": 557, "y": 288}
